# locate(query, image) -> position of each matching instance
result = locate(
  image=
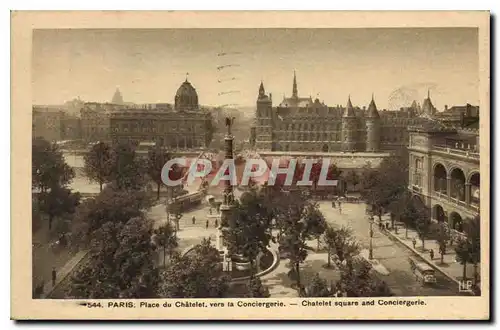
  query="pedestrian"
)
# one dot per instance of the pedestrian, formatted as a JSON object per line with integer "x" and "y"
{"x": 333, "y": 204}
{"x": 340, "y": 209}
{"x": 54, "y": 276}
{"x": 194, "y": 220}
{"x": 431, "y": 254}
{"x": 206, "y": 225}
{"x": 414, "y": 242}
{"x": 387, "y": 225}
{"x": 210, "y": 211}
{"x": 216, "y": 223}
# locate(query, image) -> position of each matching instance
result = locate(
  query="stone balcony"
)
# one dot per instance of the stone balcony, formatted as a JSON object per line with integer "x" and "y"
{"x": 465, "y": 153}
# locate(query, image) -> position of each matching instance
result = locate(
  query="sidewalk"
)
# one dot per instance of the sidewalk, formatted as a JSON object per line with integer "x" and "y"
{"x": 63, "y": 273}
{"x": 450, "y": 267}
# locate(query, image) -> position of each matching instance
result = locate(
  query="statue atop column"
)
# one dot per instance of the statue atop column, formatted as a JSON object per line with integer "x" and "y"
{"x": 229, "y": 124}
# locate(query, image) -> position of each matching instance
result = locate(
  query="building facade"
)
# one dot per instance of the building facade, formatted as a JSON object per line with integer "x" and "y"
{"x": 185, "y": 126}
{"x": 444, "y": 171}
{"x": 47, "y": 123}
{"x": 95, "y": 121}
{"x": 304, "y": 124}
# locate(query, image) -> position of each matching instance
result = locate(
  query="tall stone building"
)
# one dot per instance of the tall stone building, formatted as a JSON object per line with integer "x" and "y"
{"x": 185, "y": 126}
{"x": 303, "y": 124}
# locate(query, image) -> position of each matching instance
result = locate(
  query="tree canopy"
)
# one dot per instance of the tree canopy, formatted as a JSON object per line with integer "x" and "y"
{"x": 385, "y": 184}
{"x": 126, "y": 170}
{"x": 48, "y": 167}
{"x": 157, "y": 158}
{"x": 97, "y": 164}
{"x": 197, "y": 274}
{"x": 248, "y": 232}
{"x": 120, "y": 265}
{"x": 111, "y": 205}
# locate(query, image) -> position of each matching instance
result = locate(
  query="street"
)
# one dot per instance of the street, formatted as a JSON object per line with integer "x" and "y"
{"x": 391, "y": 254}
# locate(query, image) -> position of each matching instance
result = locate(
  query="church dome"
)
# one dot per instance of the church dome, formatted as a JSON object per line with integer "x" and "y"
{"x": 186, "y": 97}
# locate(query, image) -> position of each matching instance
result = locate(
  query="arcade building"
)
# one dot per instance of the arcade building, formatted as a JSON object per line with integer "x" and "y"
{"x": 444, "y": 171}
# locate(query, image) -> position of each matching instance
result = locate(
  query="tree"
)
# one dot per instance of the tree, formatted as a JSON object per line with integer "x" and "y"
{"x": 293, "y": 240}
{"x": 356, "y": 281}
{"x": 318, "y": 287}
{"x": 198, "y": 274}
{"x": 398, "y": 207}
{"x": 164, "y": 237}
{"x": 111, "y": 205}
{"x": 48, "y": 167}
{"x": 423, "y": 224}
{"x": 315, "y": 222}
{"x": 248, "y": 231}
{"x": 462, "y": 251}
{"x": 352, "y": 178}
{"x": 385, "y": 184}
{"x": 340, "y": 240}
{"x": 473, "y": 232}
{"x": 121, "y": 263}
{"x": 126, "y": 171}
{"x": 468, "y": 248}
{"x": 157, "y": 158}
{"x": 442, "y": 238}
{"x": 97, "y": 164}
{"x": 57, "y": 202}
{"x": 256, "y": 289}
{"x": 411, "y": 213}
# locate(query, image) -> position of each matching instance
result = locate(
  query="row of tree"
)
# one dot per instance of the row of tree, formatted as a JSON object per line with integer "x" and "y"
{"x": 120, "y": 164}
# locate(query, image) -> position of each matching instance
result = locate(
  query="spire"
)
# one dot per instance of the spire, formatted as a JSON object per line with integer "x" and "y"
{"x": 428, "y": 93}
{"x": 349, "y": 110}
{"x": 294, "y": 91}
{"x": 372, "y": 109}
{"x": 187, "y": 75}
{"x": 262, "y": 91}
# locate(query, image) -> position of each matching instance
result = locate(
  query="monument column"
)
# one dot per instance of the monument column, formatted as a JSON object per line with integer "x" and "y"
{"x": 226, "y": 208}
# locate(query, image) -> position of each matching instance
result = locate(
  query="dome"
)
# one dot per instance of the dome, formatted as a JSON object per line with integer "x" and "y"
{"x": 186, "y": 97}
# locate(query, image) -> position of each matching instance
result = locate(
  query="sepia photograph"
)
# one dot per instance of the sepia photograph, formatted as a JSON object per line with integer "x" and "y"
{"x": 206, "y": 167}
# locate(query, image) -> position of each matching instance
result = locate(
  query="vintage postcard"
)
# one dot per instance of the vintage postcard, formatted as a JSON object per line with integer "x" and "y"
{"x": 250, "y": 165}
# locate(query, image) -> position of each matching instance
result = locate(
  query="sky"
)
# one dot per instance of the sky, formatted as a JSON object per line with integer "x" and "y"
{"x": 397, "y": 65}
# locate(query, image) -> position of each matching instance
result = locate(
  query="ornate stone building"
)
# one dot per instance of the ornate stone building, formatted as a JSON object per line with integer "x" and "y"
{"x": 185, "y": 126}
{"x": 304, "y": 124}
{"x": 444, "y": 171}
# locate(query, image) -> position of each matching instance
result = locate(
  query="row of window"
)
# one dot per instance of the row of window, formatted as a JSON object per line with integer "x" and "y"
{"x": 134, "y": 128}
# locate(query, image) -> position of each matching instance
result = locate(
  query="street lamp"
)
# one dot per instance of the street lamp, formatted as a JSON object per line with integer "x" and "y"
{"x": 370, "y": 255}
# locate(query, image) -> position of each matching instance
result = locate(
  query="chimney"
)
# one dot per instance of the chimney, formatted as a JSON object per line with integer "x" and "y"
{"x": 446, "y": 107}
